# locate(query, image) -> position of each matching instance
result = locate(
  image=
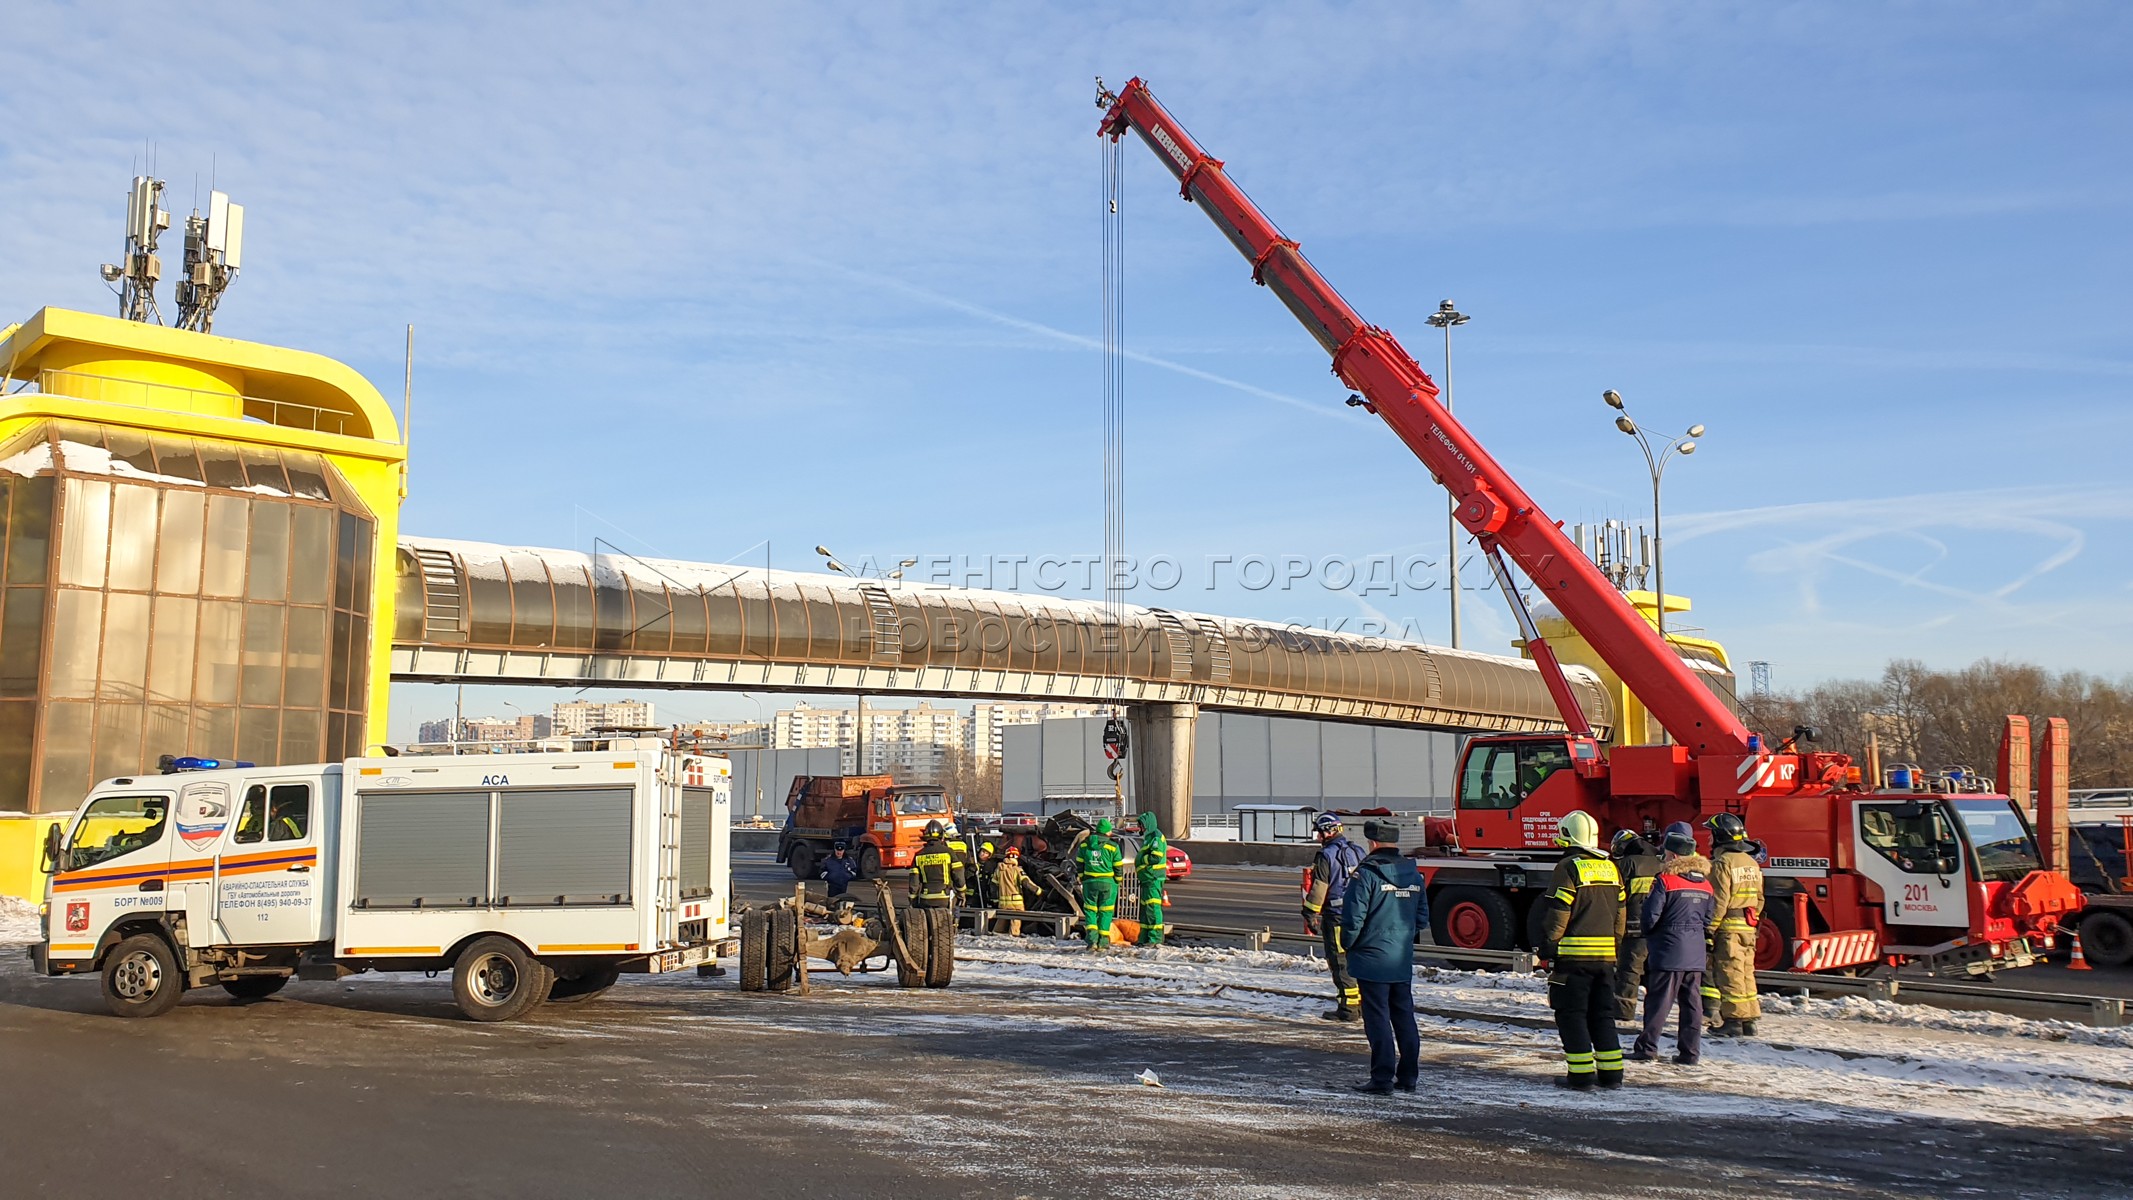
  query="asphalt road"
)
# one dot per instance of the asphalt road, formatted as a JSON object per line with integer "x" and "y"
{"x": 998, "y": 1087}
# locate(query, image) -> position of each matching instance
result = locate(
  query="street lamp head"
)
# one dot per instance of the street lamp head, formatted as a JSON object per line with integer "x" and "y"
{"x": 1688, "y": 447}
{"x": 1626, "y": 425}
{"x": 1613, "y": 398}
{"x": 1447, "y": 316}
{"x": 824, "y": 551}
{"x": 1695, "y": 431}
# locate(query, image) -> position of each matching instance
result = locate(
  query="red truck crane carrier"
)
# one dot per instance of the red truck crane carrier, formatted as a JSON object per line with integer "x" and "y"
{"x": 1856, "y": 876}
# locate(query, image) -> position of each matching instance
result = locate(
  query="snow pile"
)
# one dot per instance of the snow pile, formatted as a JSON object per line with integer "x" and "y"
{"x": 19, "y": 925}
{"x": 1836, "y": 1060}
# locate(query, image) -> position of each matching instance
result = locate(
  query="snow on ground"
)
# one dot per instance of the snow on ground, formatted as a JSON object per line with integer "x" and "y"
{"x": 1841, "y": 1059}
{"x": 18, "y": 922}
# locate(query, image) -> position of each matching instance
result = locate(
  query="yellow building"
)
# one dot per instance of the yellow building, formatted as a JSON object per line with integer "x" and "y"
{"x": 1635, "y": 725}
{"x": 196, "y": 548}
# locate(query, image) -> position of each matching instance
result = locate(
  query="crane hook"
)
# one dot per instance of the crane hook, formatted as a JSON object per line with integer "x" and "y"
{"x": 1105, "y": 97}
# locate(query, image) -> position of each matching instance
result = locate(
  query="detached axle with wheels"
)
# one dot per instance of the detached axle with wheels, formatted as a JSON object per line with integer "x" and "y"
{"x": 777, "y": 942}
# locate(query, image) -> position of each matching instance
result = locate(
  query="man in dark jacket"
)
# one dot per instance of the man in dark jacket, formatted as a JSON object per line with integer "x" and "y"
{"x": 1638, "y": 864}
{"x": 1337, "y": 859}
{"x": 840, "y": 869}
{"x": 1384, "y": 909}
{"x": 1676, "y": 913}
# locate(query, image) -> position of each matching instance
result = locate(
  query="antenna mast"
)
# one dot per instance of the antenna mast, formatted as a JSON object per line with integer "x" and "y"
{"x": 214, "y": 249}
{"x": 140, "y": 269}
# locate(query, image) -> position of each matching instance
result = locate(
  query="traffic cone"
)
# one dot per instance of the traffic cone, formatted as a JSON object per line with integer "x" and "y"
{"x": 2078, "y": 962}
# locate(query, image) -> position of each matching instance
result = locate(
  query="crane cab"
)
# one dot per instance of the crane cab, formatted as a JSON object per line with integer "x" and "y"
{"x": 1514, "y": 789}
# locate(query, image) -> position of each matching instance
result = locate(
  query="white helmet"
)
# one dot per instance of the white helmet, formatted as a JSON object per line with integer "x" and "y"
{"x": 951, "y": 830}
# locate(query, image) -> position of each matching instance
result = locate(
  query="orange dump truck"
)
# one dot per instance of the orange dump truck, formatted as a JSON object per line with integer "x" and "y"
{"x": 881, "y": 822}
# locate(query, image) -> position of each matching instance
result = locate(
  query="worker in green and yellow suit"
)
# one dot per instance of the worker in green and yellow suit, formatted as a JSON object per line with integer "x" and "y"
{"x": 1098, "y": 858}
{"x": 1151, "y": 865}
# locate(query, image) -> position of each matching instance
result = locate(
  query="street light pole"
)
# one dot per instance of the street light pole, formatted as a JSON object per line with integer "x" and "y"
{"x": 1655, "y": 461}
{"x": 1445, "y": 318}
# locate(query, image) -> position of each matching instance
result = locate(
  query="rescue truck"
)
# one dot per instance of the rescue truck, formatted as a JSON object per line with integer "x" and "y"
{"x": 1858, "y": 875}
{"x": 530, "y": 877}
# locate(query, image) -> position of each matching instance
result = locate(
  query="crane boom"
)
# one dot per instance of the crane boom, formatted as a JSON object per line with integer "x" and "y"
{"x": 1491, "y": 505}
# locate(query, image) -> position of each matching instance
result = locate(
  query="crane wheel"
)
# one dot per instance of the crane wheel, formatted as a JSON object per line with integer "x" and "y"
{"x": 1473, "y": 918}
{"x": 2107, "y": 939}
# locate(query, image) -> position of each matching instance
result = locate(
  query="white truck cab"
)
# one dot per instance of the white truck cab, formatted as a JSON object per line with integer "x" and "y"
{"x": 531, "y": 877}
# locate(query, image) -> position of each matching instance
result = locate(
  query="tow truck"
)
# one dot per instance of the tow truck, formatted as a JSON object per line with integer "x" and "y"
{"x": 1856, "y": 875}
{"x": 530, "y": 877}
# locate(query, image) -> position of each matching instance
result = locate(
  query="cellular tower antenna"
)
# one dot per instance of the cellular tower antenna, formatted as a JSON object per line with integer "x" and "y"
{"x": 137, "y": 272}
{"x": 214, "y": 249}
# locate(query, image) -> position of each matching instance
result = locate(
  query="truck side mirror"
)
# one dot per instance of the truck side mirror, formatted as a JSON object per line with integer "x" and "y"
{"x": 49, "y": 861}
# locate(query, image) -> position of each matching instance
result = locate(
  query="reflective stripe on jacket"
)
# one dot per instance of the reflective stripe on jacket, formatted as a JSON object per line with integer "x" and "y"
{"x": 1153, "y": 858}
{"x": 1638, "y": 871}
{"x": 1736, "y": 888}
{"x": 1098, "y": 857}
{"x": 1585, "y": 918}
{"x": 933, "y": 872}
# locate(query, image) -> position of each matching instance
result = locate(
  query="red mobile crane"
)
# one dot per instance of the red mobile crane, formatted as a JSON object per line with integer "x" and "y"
{"x": 1854, "y": 877}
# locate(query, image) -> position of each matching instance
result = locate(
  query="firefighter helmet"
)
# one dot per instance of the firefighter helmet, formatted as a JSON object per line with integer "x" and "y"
{"x": 1726, "y": 827}
{"x": 934, "y": 830}
{"x": 1579, "y": 830}
{"x": 1625, "y": 841}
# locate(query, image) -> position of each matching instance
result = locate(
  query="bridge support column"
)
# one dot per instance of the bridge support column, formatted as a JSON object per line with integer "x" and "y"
{"x": 1161, "y": 757}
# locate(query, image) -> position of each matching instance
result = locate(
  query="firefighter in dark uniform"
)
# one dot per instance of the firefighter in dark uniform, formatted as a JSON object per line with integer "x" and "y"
{"x": 936, "y": 873}
{"x": 1639, "y": 865}
{"x": 1584, "y": 928}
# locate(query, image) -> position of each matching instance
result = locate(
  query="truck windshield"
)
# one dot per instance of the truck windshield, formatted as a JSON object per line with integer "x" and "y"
{"x": 2005, "y": 849}
{"x": 115, "y": 825}
{"x": 934, "y": 803}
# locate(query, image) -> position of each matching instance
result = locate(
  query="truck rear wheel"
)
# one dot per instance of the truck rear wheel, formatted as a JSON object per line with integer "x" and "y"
{"x": 1473, "y": 918}
{"x": 755, "y": 947}
{"x": 496, "y": 980}
{"x": 141, "y": 977}
{"x": 870, "y": 863}
{"x": 2107, "y": 939}
{"x": 940, "y": 950}
{"x": 801, "y": 860}
{"x": 588, "y": 982}
{"x": 255, "y": 987}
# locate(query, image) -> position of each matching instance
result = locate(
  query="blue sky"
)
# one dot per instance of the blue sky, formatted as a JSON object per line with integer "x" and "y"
{"x": 694, "y": 278}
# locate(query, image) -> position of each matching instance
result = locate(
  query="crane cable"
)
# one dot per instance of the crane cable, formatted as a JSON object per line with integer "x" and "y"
{"x": 1114, "y": 443}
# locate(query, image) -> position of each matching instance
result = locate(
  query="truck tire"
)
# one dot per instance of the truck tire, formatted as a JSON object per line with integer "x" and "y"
{"x": 590, "y": 982}
{"x": 1774, "y": 937}
{"x": 496, "y": 980}
{"x": 1473, "y": 918}
{"x": 141, "y": 977}
{"x": 255, "y": 987}
{"x": 917, "y": 925}
{"x": 2107, "y": 939}
{"x": 755, "y": 948}
{"x": 870, "y": 863}
{"x": 802, "y": 860}
{"x": 940, "y": 950}
{"x": 778, "y": 951}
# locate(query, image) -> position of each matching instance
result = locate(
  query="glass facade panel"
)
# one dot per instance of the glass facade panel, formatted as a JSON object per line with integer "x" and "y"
{"x": 262, "y": 467}
{"x": 653, "y": 632}
{"x": 300, "y": 736}
{"x": 133, "y": 537}
{"x": 611, "y": 614}
{"x": 688, "y": 619}
{"x": 167, "y": 733}
{"x": 215, "y": 732}
{"x": 489, "y": 609}
{"x": 573, "y": 609}
{"x": 176, "y": 457}
{"x": 344, "y": 552}
{"x": 69, "y": 728}
{"x": 344, "y": 666}
{"x": 221, "y": 646}
{"x": 222, "y": 562}
{"x": 305, "y": 479}
{"x": 311, "y": 554}
{"x": 21, "y": 640}
{"x": 267, "y": 556}
{"x": 29, "y": 530}
{"x": 77, "y": 635}
{"x": 220, "y": 466}
{"x": 118, "y": 740}
{"x": 130, "y": 447}
{"x": 305, "y": 662}
{"x": 259, "y": 734}
{"x": 359, "y": 656}
{"x": 178, "y": 549}
{"x": 124, "y": 673}
{"x": 18, "y": 741}
{"x": 262, "y": 656}
{"x": 84, "y": 532}
{"x": 758, "y": 637}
